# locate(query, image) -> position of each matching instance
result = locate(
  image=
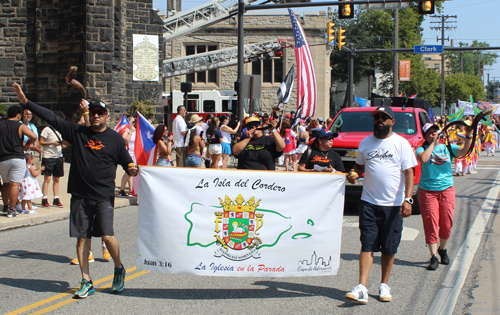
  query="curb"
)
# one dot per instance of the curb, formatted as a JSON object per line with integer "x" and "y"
{"x": 59, "y": 214}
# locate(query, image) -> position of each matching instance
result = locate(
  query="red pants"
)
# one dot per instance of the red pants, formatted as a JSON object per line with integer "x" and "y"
{"x": 437, "y": 213}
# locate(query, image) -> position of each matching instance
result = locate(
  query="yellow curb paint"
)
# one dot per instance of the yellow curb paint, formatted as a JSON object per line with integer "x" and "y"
{"x": 68, "y": 301}
{"x": 60, "y": 295}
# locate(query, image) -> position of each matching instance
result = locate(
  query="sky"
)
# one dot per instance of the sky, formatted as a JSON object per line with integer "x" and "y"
{"x": 476, "y": 20}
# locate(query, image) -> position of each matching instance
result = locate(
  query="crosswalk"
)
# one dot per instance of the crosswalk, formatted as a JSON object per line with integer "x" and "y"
{"x": 409, "y": 234}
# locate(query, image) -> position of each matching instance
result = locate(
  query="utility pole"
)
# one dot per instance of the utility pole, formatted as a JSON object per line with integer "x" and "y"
{"x": 395, "y": 71}
{"x": 445, "y": 21}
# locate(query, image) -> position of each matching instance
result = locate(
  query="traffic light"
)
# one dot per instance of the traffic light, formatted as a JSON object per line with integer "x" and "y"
{"x": 340, "y": 41}
{"x": 330, "y": 32}
{"x": 426, "y": 7}
{"x": 346, "y": 11}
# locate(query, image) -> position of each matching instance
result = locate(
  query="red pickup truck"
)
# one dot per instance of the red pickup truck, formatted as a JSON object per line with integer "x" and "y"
{"x": 353, "y": 124}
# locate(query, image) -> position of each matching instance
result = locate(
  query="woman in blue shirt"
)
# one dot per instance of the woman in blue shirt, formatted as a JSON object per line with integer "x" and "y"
{"x": 437, "y": 191}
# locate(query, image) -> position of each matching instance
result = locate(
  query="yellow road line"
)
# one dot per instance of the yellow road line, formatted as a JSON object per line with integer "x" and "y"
{"x": 60, "y": 295}
{"x": 68, "y": 301}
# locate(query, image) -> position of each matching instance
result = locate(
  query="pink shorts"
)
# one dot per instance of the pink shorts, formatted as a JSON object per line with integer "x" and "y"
{"x": 437, "y": 213}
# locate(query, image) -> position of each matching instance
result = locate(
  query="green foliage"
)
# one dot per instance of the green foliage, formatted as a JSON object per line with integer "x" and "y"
{"x": 3, "y": 109}
{"x": 492, "y": 91}
{"x": 144, "y": 108}
{"x": 459, "y": 86}
{"x": 470, "y": 62}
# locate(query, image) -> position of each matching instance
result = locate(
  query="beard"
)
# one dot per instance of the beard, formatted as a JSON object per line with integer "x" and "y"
{"x": 381, "y": 131}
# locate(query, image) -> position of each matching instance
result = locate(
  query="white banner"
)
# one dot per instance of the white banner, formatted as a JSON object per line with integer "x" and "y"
{"x": 469, "y": 109}
{"x": 239, "y": 223}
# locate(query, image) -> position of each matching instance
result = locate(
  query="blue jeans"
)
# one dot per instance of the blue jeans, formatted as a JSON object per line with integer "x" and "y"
{"x": 193, "y": 160}
{"x": 163, "y": 162}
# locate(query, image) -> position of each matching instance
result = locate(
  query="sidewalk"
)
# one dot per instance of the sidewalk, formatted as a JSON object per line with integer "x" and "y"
{"x": 55, "y": 213}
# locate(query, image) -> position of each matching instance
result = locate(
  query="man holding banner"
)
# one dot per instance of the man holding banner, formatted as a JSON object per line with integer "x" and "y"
{"x": 96, "y": 151}
{"x": 387, "y": 161}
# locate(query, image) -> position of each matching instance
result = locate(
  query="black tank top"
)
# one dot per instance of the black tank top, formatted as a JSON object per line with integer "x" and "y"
{"x": 11, "y": 144}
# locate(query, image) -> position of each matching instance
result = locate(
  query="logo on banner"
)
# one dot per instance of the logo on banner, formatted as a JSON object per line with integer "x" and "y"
{"x": 240, "y": 226}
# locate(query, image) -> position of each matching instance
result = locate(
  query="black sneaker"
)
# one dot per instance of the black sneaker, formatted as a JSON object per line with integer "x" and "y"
{"x": 45, "y": 203}
{"x": 57, "y": 203}
{"x": 123, "y": 194}
{"x": 9, "y": 213}
{"x": 445, "y": 260}
{"x": 434, "y": 263}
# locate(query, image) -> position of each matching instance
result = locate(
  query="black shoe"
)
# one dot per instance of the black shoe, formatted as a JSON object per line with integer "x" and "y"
{"x": 123, "y": 194}
{"x": 434, "y": 263}
{"x": 445, "y": 260}
{"x": 45, "y": 203}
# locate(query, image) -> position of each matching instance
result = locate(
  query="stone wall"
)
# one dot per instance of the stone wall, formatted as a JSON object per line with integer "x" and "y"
{"x": 258, "y": 28}
{"x": 41, "y": 39}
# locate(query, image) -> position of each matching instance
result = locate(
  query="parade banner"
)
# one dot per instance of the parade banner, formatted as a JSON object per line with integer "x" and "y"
{"x": 239, "y": 223}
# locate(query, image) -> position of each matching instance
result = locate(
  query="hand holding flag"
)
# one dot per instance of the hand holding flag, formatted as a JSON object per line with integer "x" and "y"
{"x": 123, "y": 124}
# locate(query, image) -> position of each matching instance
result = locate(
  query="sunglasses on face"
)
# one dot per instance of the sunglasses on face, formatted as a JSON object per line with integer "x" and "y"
{"x": 99, "y": 112}
{"x": 327, "y": 138}
{"x": 383, "y": 117}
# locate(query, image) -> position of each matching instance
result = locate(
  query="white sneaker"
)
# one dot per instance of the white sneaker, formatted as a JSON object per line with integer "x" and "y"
{"x": 358, "y": 294}
{"x": 34, "y": 207}
{"x": 384, "y": 293}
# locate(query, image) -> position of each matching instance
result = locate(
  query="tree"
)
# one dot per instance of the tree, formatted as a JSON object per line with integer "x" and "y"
{"x": 493, "y": 91}
{"x": 459, "y": 86}
{"x": 143, "y": 108}
{"x": 470, "y": 62}
{"x": 375, "y": 29}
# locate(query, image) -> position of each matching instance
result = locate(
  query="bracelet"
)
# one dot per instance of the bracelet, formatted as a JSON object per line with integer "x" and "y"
{"x": 86, "y": 113}
{"x": 468, "y": 137}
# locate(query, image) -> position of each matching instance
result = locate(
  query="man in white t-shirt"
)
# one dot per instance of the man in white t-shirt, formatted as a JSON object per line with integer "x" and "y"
{"x": 179, "y": 130}
{"x": 52, "y": 159}
{"x": 387, "y": 160}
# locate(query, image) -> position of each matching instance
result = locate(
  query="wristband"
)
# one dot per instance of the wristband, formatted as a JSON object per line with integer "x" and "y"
{"x": 86, "y": 113}
{"x": 468, "y": 137}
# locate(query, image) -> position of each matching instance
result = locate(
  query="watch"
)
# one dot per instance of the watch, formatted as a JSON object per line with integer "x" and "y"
{"x": 409, "y": 200}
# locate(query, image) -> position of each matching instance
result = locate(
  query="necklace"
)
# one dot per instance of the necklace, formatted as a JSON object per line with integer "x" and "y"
{"x": 324, "y": 154}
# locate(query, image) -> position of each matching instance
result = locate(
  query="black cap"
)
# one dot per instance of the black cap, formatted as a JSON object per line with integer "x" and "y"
{"x": 384, "y": 109}
{"x": 99, "y": 104}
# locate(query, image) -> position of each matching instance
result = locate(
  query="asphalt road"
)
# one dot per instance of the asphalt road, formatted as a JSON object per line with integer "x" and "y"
{"x": 35, "y": 274}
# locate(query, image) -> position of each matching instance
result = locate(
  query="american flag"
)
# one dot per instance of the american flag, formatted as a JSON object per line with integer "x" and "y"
{"x": 306, "y": 78}
{"x": 122, "y": 125}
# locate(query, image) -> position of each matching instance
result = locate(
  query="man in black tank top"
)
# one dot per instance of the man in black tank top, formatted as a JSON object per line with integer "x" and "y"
{"x": 12, "y": 163}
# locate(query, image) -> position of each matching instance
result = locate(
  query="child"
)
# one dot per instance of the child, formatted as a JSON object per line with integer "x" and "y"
{"x": 29, "y": 188}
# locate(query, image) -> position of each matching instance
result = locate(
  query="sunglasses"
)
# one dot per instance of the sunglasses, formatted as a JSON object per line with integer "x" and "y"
{"x": 99, "y": 112}
{"x": 383, "y": 117}
{"x": 327, "y": 138}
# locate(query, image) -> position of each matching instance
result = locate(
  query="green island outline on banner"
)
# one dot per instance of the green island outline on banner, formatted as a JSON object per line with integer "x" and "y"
{"x": 220, "y": 207}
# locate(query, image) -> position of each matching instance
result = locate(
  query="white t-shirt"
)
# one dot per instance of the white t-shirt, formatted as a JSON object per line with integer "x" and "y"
{"x": 384, "y": 161}
{"x": 131, "y": 146}
{"x": 51, "y": 151}
{"x": 179, "y": 126}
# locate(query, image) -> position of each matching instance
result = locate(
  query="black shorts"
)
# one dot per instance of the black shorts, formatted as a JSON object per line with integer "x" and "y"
{"x": 381, "y": 228}
{"x": 53, "y": 167}
{"x": 90, "y": 218}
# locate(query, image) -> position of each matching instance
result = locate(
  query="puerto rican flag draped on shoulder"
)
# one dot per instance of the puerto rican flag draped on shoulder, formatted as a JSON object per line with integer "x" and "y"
{"x": 306, "y": 78}
{"x": 145, "y": 148}
{"x": 123, "y": 124}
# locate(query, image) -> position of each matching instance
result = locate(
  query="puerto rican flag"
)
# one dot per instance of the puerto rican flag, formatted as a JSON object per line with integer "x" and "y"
{"x": 145, "y": 148}
{"x": 122, "y": 125}
{"x": 306, "y": 77}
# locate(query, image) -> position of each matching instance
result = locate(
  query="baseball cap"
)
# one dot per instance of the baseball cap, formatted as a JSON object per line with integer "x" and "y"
{"x": 320, "y": 119}
{"x": 99, "y": 104}
{"x": 428, "y": 126}
{"x": 322, "y": 133}
{"x": 384, "y": 109}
